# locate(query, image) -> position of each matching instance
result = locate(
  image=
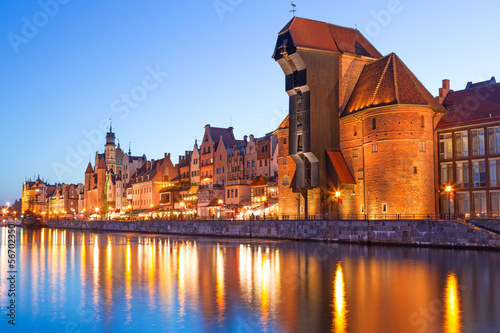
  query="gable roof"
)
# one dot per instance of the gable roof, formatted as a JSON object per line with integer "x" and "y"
{"x": 102, "y": 164}
{"x": 388, "y": 81}
{"x": 318, "y": 35}
{"x": 89, "y": 169}
{"x": 471, "y": 105}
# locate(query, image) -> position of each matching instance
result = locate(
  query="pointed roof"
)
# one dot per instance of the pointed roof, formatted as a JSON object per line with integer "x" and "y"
{"x": 329, "y": 37}
{"x": 388, "y": 81}
{"x": 285, "y": 123}
{"x": 89, "y": 169}
{"x": 472, "y": 105}
{"x": 102, "y": 164}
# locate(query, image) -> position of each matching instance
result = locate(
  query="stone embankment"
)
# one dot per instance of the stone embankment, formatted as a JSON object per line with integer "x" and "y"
{"x": 414, "y": 233}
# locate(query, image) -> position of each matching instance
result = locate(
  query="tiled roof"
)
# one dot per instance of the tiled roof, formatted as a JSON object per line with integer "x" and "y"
{"x": 89, "y": 169}
{"x": 472, "y": 105}
{"x": 285, "y": 123}
{"x": 329, "y": 37}
{"x": 226, "y": 133}
{"x": 341, "y": 167}
{"x": 102, "y": 164}
{"x": 388, "y": 81}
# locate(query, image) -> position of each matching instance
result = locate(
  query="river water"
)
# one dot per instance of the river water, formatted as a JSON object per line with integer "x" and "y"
{"x": 74, "y": 281}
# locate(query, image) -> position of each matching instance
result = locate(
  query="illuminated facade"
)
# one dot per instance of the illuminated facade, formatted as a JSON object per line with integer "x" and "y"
{"x": 35, "y": 194}
{"x": 468, "y": 150}
{"x": 360, "y": 127}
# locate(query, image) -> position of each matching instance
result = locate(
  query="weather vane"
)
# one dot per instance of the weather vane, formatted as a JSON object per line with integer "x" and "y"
{"x": 293, "y": 9}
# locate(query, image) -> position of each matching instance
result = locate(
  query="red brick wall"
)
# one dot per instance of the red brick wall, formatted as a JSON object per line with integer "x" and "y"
{"x": 389, "y": 173}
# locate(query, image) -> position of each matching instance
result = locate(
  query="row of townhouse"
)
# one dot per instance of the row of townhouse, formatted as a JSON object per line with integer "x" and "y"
{"x": 221, "y": 176}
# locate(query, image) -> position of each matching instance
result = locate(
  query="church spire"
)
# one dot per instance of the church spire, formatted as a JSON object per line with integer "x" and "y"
{"x": 129, "y": 151}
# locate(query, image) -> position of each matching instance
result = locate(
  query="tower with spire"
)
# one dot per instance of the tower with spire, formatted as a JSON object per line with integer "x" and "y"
{"x": 110, "y": 153}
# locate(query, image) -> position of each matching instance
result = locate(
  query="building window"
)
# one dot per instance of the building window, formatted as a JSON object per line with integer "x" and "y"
{"x": 461, "y": 144}
{"x": 494, "y": 172}
{"x": 248, "y": 164}
{"x": 374, "y": 123}
{"x": 494, "y": 140}
{"x": 355, "y": 130}
{"x": 265, "y": 162}
{"x": 495, "y": 203}
{"x": 422, "y": 121}
{"x": 446, "y": 173}
{"x": 219, "y": 170}
{"x": 206, "y": 138}
{"x": 362, "y": 209}
{"x": 236, "y": 193}
{"x": 260, "y": 163}
{"x": 284, "y": 141}
{"x": 463, "y": 203}
{"x": 479, "y": 203}
{"x": 445, "y": 146}
{"x": 384, "y": 208}
{"x": 414, "y": 170}
{"x": 477, "y": 142}
{"x": 422, "y": 146}
{"x": 361, "y": 174}
{"x": 264, "y": 148}
{"x": 354, "y": 153}
{"x": 286, "y": 180}
{"x": 253, "y": 163}
{"x": 479, "y": 173}
{"x": 462, "y": 174}
{"x": 374, "y": 148}
{"x": 285, "y": 160}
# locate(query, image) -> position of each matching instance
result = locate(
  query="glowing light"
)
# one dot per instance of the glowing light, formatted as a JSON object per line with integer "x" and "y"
{"x": 452, "y": 314}
{"x": 220, "y": 202}
{"x": 337, "y": 194}
{"x": 448, "y": 189}
{"x": 339, "y": 304}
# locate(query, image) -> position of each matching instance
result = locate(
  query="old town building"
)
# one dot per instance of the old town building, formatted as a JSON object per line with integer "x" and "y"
{"x": 35, "y": 194}
{"x": 468, "y": 150}
{"x": 64, "y": 200}
{"x": 361, "y": 136}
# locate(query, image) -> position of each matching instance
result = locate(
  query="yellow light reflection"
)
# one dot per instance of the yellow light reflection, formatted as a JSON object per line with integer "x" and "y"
{"x": 95, "y": 280}
{"x": 220, "y": 290}
{"x": 109, "y": 279}
{"x": 339, "y": 303}
{"x": 128, "y": 281}
{"x": 452, "y": 314}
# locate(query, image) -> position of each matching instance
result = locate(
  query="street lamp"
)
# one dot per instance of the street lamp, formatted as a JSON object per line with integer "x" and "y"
{"x": 448, "y": 189}
{"x": 220, "y": 208}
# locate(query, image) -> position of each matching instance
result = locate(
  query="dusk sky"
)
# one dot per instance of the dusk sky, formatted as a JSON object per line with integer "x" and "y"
{"x": 164, "y": 69}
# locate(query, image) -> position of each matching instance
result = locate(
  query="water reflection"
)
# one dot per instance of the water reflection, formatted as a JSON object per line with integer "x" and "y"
{"x": 130, "y": 282}
{"x": 339, "y": 302}
{"x": 452, "y": 313}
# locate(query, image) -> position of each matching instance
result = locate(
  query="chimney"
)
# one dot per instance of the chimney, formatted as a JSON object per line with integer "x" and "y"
{"x": 444, "y": 91}
{"x": 245, "y": 138}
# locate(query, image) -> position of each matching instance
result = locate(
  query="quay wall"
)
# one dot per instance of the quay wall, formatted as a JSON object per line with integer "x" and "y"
{"x": 413, "y": 233}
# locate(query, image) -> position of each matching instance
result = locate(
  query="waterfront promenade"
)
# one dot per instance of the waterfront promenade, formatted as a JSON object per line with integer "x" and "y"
{"x": 412, "y": 233}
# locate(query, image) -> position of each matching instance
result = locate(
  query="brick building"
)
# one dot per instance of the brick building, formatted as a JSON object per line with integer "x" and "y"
{"x": 360, "y": 126}
{"x": 35, "y": 194}
{"x": 468, "y": 150}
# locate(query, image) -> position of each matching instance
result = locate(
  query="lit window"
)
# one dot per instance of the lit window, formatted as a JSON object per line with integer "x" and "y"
{"x": 374, "y": 148}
